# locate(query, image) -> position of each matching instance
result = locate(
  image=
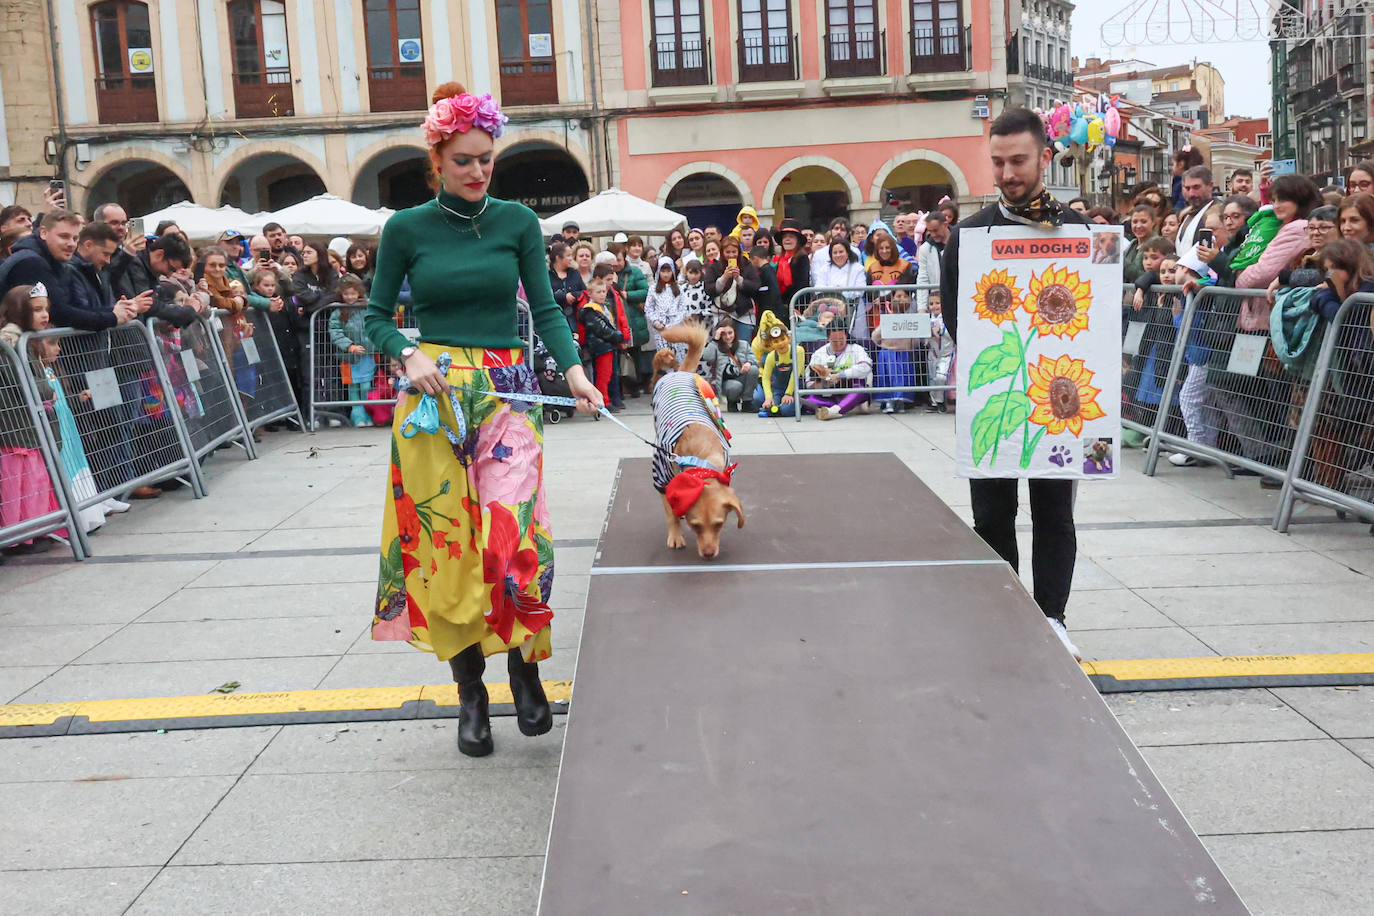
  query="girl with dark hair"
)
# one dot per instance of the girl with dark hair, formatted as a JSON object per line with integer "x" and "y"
{"x": 1357, "y": 218}
{"x": 358, "y": 261}
{"x": 316, "y": 284}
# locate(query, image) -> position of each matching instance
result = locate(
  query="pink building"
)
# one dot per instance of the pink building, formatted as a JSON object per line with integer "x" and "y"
{"x": 803, "y": 110}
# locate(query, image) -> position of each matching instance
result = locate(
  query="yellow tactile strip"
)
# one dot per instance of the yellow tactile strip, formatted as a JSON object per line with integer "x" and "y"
{"x": 215, "y": 705}
{"x": 1222, "y": 666}
{"x": 290, "y": 705}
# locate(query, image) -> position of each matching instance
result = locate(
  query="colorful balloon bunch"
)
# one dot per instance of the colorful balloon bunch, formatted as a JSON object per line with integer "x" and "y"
{"x": 1081, "y": 126}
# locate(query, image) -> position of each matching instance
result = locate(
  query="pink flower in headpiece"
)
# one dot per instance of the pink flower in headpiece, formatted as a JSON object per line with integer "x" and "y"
{"x": 441, "y": 122}
{"x": 465, "y": 107}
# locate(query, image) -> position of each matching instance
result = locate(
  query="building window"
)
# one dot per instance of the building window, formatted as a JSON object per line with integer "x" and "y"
{"x": 853, "y": 45}
{"x": 395, "y": 55}
{"x": 766, "y": 44}
{"x": 125, "y": 87}
{"x": 937, "y": 36}
{"x": 262, "y": 67}
{"x": 679, "y": 52}
{"x": 524, "y": 30}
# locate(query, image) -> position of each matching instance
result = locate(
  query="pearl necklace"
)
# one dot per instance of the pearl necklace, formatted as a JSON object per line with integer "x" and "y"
{"x": 471, "y": 219}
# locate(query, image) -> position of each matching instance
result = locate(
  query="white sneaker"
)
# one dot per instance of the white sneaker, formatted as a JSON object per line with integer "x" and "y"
{"x": 1062, "y": 632}
{"x": 1180, "y": 460}
{"x": 113, "y": 506}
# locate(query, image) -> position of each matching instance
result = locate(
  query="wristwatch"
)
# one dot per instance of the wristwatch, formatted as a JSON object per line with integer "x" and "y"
{"x": 408, "y": 352}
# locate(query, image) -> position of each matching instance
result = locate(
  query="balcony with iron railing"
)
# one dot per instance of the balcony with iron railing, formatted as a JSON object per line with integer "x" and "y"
{"x": 946, "y": 52}
{"x": 857, "y": 54}
{"x": 767, "y": 59}
{"x": 680, "y": 61}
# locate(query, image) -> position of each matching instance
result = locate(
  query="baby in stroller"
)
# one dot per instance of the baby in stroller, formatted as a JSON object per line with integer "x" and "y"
{"x": 551, "y": 382}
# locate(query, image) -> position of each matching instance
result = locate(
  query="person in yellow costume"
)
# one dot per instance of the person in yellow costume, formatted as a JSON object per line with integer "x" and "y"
{"x": 747, "y": 218}
{"x": 778, "y": 360}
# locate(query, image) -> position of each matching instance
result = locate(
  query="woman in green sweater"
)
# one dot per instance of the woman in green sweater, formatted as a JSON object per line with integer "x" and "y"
{"x": 467, "y": 551}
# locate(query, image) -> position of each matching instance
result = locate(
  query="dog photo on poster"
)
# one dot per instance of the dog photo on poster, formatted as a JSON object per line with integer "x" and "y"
{"x": 1039, "y": 352}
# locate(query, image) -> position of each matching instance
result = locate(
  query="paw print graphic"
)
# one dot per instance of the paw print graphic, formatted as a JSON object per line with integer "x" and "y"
{"x": 1060, "y": 455}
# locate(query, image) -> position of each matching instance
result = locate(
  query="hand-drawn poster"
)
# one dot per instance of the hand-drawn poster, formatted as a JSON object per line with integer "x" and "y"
{"x": 1039, "y": 352}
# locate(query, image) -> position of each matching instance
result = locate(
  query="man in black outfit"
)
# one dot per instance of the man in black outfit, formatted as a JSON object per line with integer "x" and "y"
{"x": 1020, "y": 154}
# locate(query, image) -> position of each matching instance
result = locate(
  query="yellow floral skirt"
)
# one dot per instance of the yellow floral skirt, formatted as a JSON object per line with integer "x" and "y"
{"x": 467, "y": 554}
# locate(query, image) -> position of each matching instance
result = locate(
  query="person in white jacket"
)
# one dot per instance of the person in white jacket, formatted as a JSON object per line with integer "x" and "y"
{"x": 928, "y": 258}
{"x": 837, "y": 269}
{"x": 838, "y": 364}
{"x": 665, "y": 307}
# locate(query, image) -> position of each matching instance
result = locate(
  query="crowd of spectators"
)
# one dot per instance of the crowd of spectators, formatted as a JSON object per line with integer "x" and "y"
{"x": 95, "y": 275}
{"x": 1304, "y": 249}
{"x": 726, "y": 278}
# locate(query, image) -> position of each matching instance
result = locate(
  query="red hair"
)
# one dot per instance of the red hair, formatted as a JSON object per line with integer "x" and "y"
{"x": 445, "y": 91}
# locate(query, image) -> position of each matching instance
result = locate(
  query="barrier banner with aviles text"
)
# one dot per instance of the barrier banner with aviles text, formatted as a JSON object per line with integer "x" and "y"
{"x": 1039, "y": 352}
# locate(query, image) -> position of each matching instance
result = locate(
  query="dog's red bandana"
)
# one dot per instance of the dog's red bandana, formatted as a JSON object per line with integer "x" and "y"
{"x": 685, "y": 489}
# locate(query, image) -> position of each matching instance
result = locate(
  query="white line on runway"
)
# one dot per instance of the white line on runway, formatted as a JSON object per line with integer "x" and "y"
{"x": 782, "y": 567}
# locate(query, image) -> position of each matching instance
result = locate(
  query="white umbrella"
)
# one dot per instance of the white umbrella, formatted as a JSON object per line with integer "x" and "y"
{"x": 201, "y": 222}
{"x": 329, "y": 215}
{"x": 615, "y": 210}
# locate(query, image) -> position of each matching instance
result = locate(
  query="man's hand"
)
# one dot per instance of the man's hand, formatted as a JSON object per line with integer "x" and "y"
{"x": 357, "y": 348}
{"x": 143, "y": 301}
{"x": 125, "y": 310}
{"x": 135, "y": 243}
{"x": 1205, "y": 253}
{"x": 54, "y": 199}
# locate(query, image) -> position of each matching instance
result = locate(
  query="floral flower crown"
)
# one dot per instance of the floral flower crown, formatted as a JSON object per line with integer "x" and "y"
{"x": 460, "y": 113}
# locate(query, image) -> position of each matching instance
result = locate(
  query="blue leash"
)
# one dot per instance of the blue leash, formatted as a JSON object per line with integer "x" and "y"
{"x": 425, "y": 417}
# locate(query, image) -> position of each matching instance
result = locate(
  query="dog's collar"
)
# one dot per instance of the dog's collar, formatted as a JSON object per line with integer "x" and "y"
{"x": 692, "y": 461}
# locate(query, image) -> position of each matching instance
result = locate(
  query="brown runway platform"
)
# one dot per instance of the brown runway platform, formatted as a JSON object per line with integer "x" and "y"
{"x": 855, "y": 711}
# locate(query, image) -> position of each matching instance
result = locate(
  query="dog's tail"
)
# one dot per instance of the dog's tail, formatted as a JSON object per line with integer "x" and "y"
{"x": 694, "y": 336}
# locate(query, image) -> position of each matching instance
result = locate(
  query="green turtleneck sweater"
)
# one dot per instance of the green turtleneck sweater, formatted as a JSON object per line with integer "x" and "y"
{"x": 463, "y": 285}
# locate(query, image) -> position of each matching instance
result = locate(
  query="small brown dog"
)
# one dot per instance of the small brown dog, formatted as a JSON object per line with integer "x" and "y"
{"x": 687, "y": 426}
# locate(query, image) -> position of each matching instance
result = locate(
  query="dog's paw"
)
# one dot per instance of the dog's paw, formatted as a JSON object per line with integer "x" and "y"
{"x": 675, "y": 540}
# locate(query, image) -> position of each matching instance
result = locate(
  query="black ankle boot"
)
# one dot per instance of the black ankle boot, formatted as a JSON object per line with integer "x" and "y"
{"x": 532, "y": 711}
{"x": 474, "y": 722}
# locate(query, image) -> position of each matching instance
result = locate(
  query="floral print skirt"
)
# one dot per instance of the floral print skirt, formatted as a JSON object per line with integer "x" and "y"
{"x": 467, "y": 554}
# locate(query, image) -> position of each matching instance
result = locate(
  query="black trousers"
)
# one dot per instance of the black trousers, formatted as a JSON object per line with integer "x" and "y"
{"x": 1054, "y": 541}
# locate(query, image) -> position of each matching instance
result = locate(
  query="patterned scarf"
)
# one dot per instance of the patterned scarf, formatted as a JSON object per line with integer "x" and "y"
{"x": 1041, "y": 211}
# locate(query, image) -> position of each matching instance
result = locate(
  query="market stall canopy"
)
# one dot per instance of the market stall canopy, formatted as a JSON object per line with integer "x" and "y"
{"x": 201, "y": 223}
{"x": 614, "y": 210}
{"x": 330, "y": 215}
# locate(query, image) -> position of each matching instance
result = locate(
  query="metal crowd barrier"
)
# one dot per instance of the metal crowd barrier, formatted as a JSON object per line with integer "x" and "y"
{"x": 1147, "y": 346}
{"x": 1244, "y": 406}
{"x": 128, "y": 409}
{"x": 925, "y": 367}
{"x": 33, "y": 503}
{"x": 331, "y": 384}
{"x": 259, "y": 372}
{"x": 201, "y": 387}
{"x": 1332, "y": 462}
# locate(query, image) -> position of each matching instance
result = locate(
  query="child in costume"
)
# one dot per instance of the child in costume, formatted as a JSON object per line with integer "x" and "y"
{"x": 778, "y": 361}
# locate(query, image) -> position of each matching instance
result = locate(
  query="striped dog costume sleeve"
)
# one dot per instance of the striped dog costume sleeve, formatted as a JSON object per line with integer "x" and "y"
{"x": 678, "y": 403}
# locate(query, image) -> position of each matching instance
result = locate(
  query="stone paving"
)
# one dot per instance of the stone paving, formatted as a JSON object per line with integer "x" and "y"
{"x": 269, "y": 581}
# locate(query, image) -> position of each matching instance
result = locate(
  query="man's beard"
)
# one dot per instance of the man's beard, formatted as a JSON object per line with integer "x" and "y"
{"x": 1029, "y": 194}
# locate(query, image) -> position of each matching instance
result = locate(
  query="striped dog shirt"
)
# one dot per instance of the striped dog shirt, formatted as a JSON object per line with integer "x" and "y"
{"x": 678, "y": 403}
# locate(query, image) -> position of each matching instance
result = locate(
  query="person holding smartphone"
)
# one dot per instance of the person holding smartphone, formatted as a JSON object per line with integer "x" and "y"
{"x": 732, "y": 282}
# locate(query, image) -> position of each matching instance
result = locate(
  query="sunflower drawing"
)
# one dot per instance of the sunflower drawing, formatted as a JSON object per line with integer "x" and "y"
{"x": 1062, "y": 392}
{"x": 996, "y": 297}
{"x": 1058, "y": 303}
